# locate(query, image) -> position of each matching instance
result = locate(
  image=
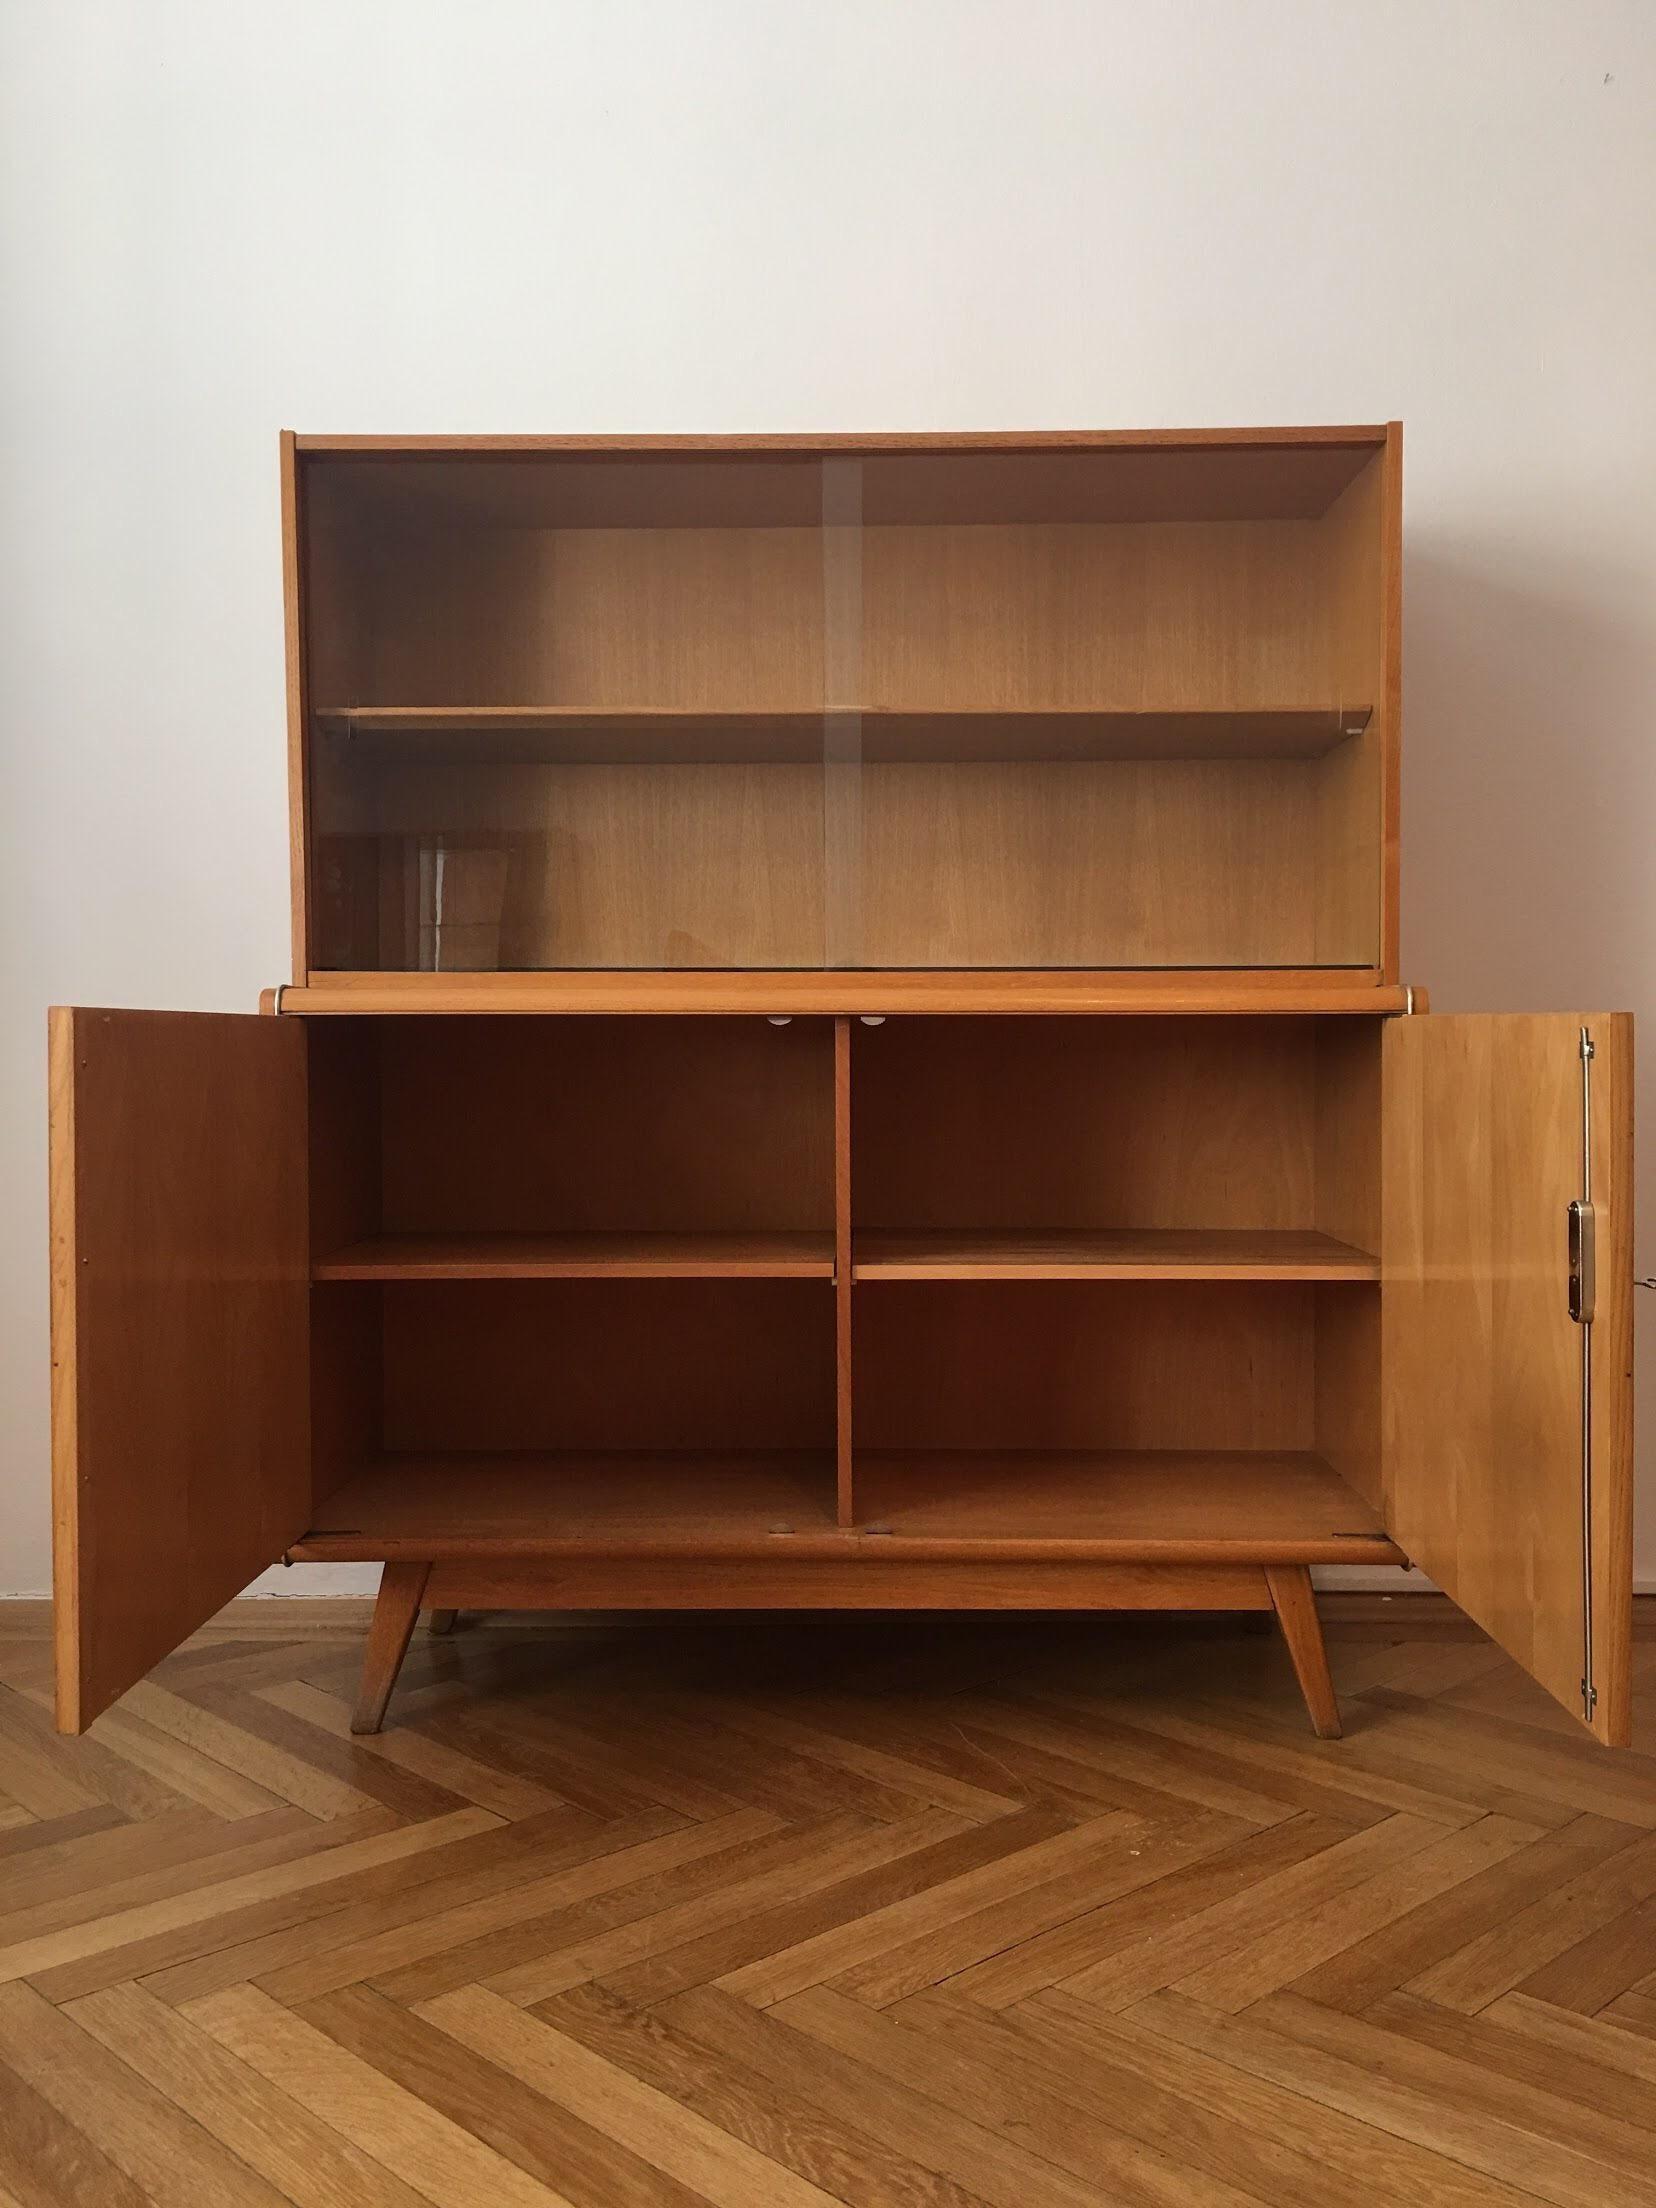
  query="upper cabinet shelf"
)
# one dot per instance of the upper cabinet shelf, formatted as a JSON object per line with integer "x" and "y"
{"x": 1099, "y": 704}
{"x": 505, "y": 735}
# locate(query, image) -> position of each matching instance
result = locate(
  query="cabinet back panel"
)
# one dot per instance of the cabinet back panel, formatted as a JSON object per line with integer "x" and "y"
{"x": 629, "y": 1364}
{"x": 953, "y": 864}
{"x": 587, "y": 1125}
{"x": 1092, "y": 863}
{"x": 1178, "y": 616}
{"x": 692, "y": 865}
{"x": 1069, "y": 1365}
{"x": 1051, "y": 1123}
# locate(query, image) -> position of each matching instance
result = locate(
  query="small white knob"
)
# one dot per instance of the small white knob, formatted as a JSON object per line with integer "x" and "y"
{"x": 872, "y": 1019}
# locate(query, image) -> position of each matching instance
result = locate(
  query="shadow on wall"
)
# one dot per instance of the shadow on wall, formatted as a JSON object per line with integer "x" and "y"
{"x": 1529, "y": 818}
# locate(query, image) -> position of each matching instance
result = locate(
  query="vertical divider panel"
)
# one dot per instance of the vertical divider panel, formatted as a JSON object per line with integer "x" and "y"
{"x": 845, "y": 1498}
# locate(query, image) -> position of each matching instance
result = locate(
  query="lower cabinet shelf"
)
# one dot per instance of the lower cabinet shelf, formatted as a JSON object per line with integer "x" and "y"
{"x": 1142, "y": 1506}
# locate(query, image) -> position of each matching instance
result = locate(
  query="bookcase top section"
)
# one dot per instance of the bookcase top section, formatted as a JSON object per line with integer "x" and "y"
{"x": 1108, "y": 702}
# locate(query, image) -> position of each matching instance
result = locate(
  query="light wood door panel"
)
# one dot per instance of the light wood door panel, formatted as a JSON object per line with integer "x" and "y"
{"x": 180, "y": 1420}
{"x": 1486, "y": 1380}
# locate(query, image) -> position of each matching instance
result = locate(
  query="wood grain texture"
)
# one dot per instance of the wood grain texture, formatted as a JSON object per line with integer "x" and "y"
{"x": 1086, "y": 1364}
{"x": 1155, "y": 1124}
{"x": 865, "y": 1909}
{"x": 1235, "y": 991}
{"x": 698, "y": 1508}
{"x": 1296, "y": 1610}
{"x": 592, "y": 1127}
{"x": 1482, "y": 1367}
{"x": 713, "y": 1256}
{"x": 181, "y": 1460}
{"x": 1218, "y": 1253}
{"x": 398, "y": 1606}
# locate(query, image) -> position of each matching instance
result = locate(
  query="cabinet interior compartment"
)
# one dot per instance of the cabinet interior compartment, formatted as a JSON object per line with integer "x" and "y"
{"x": 510, "y": 1416}
{"x": 571, "y": 1277}
{"x": 1108, "y": 709}
{"x": 1118, "y": 1278}
{"x": 1228, "y": 1413}
{"x": 482, "y": 1147}
{"x": 1215, "y": 1147}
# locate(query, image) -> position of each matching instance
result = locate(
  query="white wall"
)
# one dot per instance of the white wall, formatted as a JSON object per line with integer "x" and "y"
{"x": 223, "y": 216}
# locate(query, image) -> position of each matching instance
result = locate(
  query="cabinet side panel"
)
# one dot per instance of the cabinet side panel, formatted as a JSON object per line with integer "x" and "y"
{"x": 1352, "y": 802}
{"x": 294, "y": 648}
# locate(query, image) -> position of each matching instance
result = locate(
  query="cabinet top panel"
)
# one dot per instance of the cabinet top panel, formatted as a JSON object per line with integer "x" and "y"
{"x": 811, "y": 444}
{"x": 1022, "y": 476}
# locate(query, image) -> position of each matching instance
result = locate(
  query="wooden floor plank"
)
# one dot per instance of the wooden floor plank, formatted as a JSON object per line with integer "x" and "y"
{"x": 306, "y": 2160}
{"x": 986, "y": 2087}
{"x": 129, "y": 1929}
{"x": 1394, "y": 1953}
{"x": 47, "y": 2162}
{"x": 1501, "y": 1959}
{"x": 1456, "y": 2072}
{"x": 677, "y": 2140}
{"x": 759, "y": 1912}
{"x": 540, "y": 2137}
{"x": 613, "y": 1856}
{"x": 1435, "y": 2119}
{"x": 1260, "y": 1912}
{"x": 1356, "y": 2161}
{"x": 143, "y": 2131}
{"x": 441, "y": 2160}
{"x": 1006, "y": 2169}
{"x": 1327, "y": 1929}
{"x": 843, "y": 2161}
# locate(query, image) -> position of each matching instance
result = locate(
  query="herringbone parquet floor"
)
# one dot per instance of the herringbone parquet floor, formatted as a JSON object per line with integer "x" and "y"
{"x": 914, "y": 1914}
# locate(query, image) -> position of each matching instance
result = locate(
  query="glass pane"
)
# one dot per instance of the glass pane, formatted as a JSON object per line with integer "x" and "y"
{"x": 1118, "y": 708}
{"x": 568, "y": 713}
{"x": 1116, "y": 711}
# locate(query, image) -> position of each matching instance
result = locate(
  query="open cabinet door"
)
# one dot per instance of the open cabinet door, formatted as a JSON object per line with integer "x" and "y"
{"x": 180, "y": 1336}
{"x": 1507, "y": 1423}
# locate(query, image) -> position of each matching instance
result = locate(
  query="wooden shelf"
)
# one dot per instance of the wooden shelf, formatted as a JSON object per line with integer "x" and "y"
{"x": 752, "y": 1256}
{"x": 505, "y": 735}
{"x": 637, "y": 1503}
{"x": 1156, "y": 1505}
{"x": 1202, "y": 1504}
{"x": 1113, "y": 1254}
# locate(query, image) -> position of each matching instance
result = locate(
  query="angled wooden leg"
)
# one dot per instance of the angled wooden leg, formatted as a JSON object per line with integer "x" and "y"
{"x": 1296, "y": 1609}
{"x": 401, "y": 1586}
{"x": 441, "y": 1621}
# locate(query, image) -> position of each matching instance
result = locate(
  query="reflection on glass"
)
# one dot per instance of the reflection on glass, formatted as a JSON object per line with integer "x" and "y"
{"x": 964, "y": 709}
